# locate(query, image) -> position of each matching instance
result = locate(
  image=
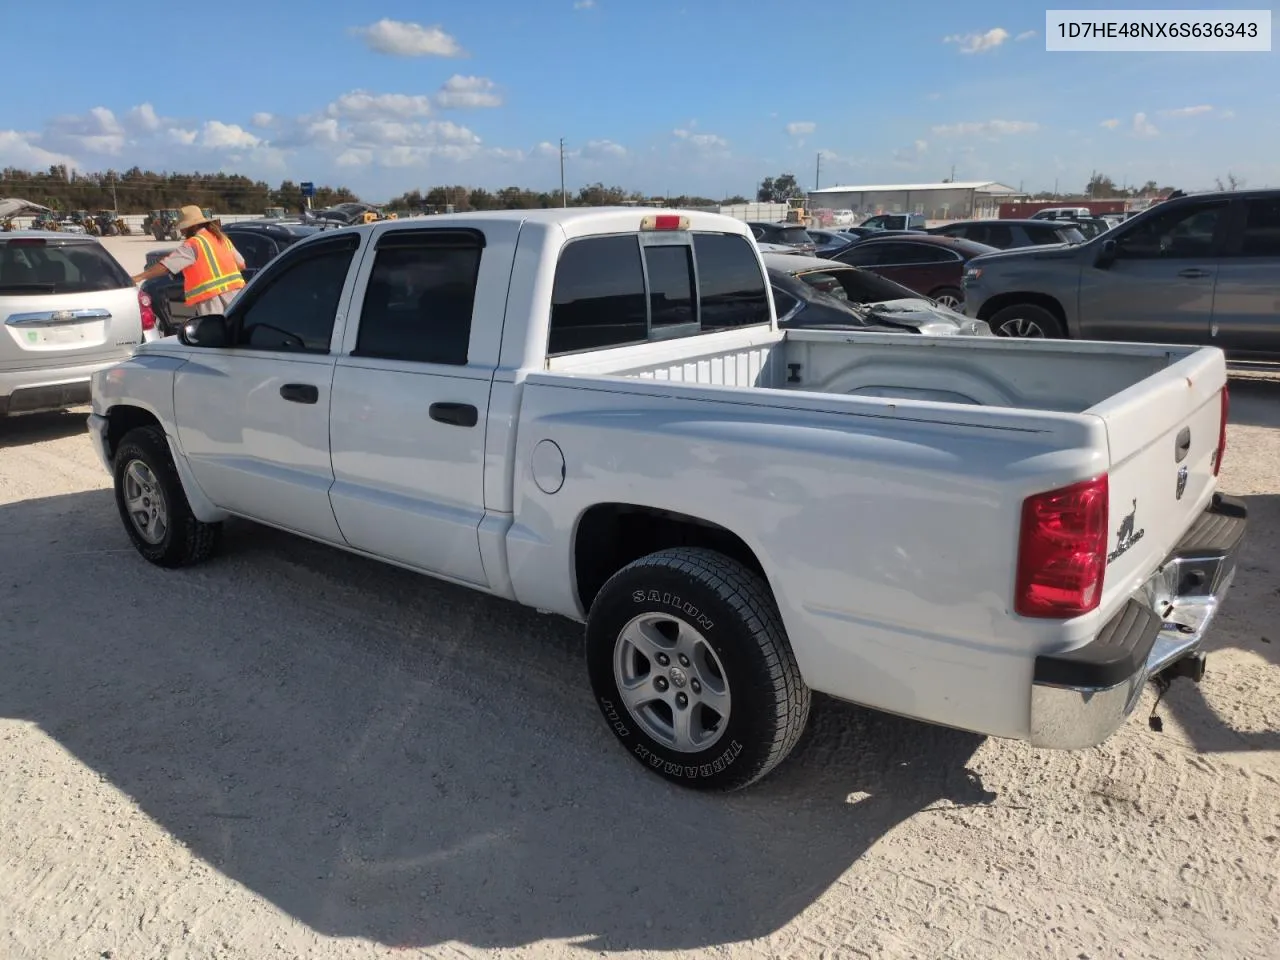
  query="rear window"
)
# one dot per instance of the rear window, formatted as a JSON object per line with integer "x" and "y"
{"x": 794, "y": 235}
{"x": 1070, "y": 235}
{"x": 600, "y": 298}
{"x": 58, "y": 268}
{"x": 856, "y": 286}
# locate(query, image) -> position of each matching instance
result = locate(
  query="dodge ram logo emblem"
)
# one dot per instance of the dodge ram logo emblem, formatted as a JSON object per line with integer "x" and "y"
{"x": 1127, "y": 535}
{"x": 1182, "y": 483}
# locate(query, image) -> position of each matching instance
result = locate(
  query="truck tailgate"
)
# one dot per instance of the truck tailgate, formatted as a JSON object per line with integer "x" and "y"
{"x": 1163, "y": 437}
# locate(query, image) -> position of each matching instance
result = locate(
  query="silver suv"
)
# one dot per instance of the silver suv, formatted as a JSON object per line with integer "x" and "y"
{"x": 67, "y": 309}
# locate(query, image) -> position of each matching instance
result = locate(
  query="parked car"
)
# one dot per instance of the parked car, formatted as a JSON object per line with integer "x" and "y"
{"x": 785, "y": 234}
{"x": 1010, "y": 234}
{"x": 1062, "y": 213}
{"x": 929, "y": 265}
{"x": 810, "y": 293}
{"x": 1197, "y": 269}
{"x": 1090, "y": 227}
{"x": 68, "y": 309}
{"x": 825, "y": 241}
{"x": 259, "y": 242}
{"x": 555, "y": 407}
{"x": 895, "y": 221}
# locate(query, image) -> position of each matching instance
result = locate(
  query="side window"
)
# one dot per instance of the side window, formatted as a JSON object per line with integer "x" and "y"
{"x": 670, "y": 271}
{"x": 784, "y": 302}
{"x": 1183, "y": 232}
{"x": 295, "y": 309}
{"x": 417, "y": 306}
{"x": 998, "y": 235}
{"x": 861, "y": 255}
{"x": 1261, "y": 229}
{"x": 730, "y": 284}
{"x": 598, "y": 299}
{"x": 901, "y": 254}
{"x": 257, "y": 251}
{"x": 974, "y": 231}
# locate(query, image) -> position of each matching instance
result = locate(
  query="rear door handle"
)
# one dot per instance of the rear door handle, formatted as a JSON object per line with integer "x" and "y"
{"x": 458, "y": 414}
{"x": 300, "y": 392}
{"x": 1193, "y": 273}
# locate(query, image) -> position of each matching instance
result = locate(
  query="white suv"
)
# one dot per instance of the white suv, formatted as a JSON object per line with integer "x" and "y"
{"x": 67, "y": 309}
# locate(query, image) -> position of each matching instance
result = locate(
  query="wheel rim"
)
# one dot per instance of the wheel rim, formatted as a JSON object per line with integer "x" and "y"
{"x": 1020, "y": 327}
{"x": 671, "y": 682}
{"x": 144, "y": 502}
{"x": 949, "y": 300}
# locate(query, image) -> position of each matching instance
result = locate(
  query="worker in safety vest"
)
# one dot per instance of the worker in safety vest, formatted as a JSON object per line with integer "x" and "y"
{"x": 208, "y": 261}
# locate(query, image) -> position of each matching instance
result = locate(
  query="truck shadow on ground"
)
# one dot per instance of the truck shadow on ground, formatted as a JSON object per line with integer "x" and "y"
{"x": 1255, "y": 399}
{"x": 29, "y": 428}
{"x": 384, "y": 756}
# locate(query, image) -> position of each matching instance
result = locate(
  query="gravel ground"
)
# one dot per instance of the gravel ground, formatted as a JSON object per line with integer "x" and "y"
{"x": 293, "y": 752}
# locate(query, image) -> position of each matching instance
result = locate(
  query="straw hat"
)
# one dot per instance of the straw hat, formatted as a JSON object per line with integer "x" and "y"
{"x": 192, "y": 216}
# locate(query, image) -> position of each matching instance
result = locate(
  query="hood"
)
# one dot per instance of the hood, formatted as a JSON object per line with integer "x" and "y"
{"x": 925, "y": 317}
{"x": 1053, "y": 251}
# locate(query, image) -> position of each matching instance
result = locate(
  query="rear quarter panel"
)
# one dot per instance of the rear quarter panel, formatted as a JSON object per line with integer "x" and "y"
{"x": 888, "y": 531}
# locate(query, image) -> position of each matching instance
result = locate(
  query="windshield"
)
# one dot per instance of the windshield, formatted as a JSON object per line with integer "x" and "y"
{"x": 855, "y": 286}
{"x": 27, "y": 267}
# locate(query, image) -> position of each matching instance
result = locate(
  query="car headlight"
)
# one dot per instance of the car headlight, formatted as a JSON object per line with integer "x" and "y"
{"x": 971, "y": 275}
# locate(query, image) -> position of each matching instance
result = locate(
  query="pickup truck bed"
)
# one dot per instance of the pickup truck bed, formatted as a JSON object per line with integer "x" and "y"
{"x": 1002, "y": 536}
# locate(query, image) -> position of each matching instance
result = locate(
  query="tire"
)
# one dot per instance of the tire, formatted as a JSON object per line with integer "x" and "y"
{"x": 146, "y": 481}
{"x": 727, "y": 654}
{"x": 1027, "y": 321}
{"x": 949, "y": 297}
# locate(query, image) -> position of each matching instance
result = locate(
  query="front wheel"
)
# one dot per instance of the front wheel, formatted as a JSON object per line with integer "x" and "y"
{"x": 154, "y": 506}
{"x": 692, "y": 670}
{"x": 1027, "y": 320}
{"x": 949, "y": 297}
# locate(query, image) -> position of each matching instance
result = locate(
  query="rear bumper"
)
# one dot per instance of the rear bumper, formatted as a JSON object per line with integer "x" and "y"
{"x": 49, "y": 388}
{"x": 1079, "y": 698}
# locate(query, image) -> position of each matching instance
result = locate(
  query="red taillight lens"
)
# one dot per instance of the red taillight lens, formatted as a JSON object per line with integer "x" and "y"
{"x": 1225, "y": 398}
{"x": 148, "y": 314}
{"x": 1062, "y": 550}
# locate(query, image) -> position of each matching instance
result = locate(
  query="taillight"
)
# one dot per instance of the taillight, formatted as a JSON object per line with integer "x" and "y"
{"x": 1062, "y": 550}
{"x": 148, "y": 314}
{"x": 1225, "y": 399}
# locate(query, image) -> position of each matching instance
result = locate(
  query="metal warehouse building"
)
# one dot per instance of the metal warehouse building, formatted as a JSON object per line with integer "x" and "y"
{"x": 936, "y": 201}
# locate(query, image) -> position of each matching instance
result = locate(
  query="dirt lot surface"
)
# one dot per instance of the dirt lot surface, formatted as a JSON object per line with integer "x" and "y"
{"x": 290, "y": 752}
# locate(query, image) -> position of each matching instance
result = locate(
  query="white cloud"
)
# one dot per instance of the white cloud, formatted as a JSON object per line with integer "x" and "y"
{"x": 459, "y": 92}
{"x": 399, "y": 38}
{"x": 912, "y": 154}
{"x": 263, "y": 119}
{"x": 584, "y": 4}
{"x": 180, "y": 136}
{"x": 1025, "y": 35}
{"x": 143, "y": 117}
{"x": 978, "y": 42}
{"x": 220, "y": 136}
{"x": 355, "y": 157}
{"x": 603, "y": 150}
{"x": 21, "y": 150}
{"x": 1142, "y": 127}
{"x": 97, "y": 131}
{"x": 703, "y": 141}
{"x": 327, "y": 130}
{"x": 365, "y": 105}
{"x": 547, "y": 149}
{"x": 799, "y": 128}
{"x": 1110, "y": 123}
{"x": 988, "y": 128}
{"x": 1187, "y": 111}
{"x": 1227, "y": 115}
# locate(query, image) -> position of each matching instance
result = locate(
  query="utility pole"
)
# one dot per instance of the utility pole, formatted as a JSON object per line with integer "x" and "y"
{"x": 564, "y": 197}
{"x": 953, "y": 174}
{"x": 114, "y": 205}
{"x": 817, "y": 174}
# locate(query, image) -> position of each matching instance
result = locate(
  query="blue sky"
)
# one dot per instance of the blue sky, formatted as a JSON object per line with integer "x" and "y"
{"x": 696, "y": 96}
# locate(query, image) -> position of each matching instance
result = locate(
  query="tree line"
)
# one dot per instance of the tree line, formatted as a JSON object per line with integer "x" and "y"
{"x": 463, "y": 198}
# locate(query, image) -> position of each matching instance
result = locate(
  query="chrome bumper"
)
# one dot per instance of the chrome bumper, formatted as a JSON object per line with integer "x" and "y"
{"x": 1079, "y": 698}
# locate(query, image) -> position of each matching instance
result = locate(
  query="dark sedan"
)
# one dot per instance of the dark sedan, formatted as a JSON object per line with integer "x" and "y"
{"x": 811, "y": 293}
{"x": 828, "y": 241}
{"x": 259, "y": 242}
{"x": 1011, "y": 234}
{"x": 786, "y": 234}
{"x": 928, "y": 264}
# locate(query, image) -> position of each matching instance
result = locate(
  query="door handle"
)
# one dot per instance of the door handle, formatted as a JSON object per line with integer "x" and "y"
{"x": 1193, "y": 273}
{"x": 300, "y": 392}
{"x": 1182, "y": 445}
{"x": 458, "y": 414}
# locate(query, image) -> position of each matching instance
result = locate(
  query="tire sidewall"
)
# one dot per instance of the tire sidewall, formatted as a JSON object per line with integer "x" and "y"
{"x": 654, "y": 589}
{"x": 136, "y": 448}
{"x": 1047, "y": 322}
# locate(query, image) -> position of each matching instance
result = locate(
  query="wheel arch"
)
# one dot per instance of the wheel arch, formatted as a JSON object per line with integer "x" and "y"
{"x": 993, "y": 305}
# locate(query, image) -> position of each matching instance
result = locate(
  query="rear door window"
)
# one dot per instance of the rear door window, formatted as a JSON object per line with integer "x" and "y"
{"x": 598, "y": 299}
{"x": 35, "y": 267}
{"x": 1261, "y": 229}
{"x": 257, "y": 251}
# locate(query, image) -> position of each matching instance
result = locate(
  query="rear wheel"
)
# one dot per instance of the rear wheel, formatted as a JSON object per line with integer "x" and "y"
{"x": 1027, "y": 320}
{"x": 692, "y": 670}
{"x": 154, "y": 506}
{"x": 949, "y": 297}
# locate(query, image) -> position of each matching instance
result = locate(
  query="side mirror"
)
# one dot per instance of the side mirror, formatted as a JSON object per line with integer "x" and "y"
{"x": 1106, "y": 255}
{"x": 211, "y": 330}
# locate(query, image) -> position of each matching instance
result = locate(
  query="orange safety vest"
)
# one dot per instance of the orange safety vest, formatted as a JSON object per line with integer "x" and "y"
{"x": 214, "y": 272}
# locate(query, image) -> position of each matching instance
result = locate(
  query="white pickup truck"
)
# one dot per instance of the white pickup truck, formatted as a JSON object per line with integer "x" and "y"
{"x": 593, "y": 413}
